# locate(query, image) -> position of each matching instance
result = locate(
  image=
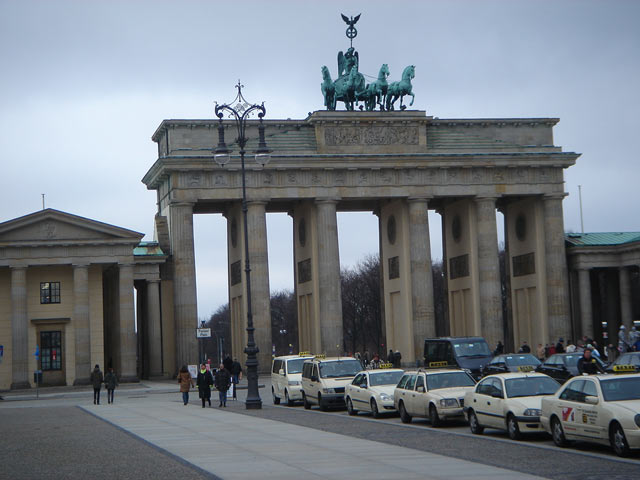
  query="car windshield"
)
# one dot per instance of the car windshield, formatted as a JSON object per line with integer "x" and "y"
{"x": 448, "y": 380}
{"x": 531, "y": 386}
{"x": 340, "y": 368}
{"x": 385, "y": 378}
{"x": 472, "y": 349}
{"x": 295, "y": 365}
{"x": 617, "y": 389}
{"x": 518, "y": 360}
{"x": 628, "y": 359}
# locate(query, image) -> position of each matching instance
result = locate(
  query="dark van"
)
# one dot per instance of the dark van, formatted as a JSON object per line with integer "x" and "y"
{"x": 468, "y": 353}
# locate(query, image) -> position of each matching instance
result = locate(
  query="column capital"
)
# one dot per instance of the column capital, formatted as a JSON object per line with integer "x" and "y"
{"x": 80, "y": 265}
{"x": 182, "y": 204}
{"x": 420, "y": 199}
{"x": 153, "y": 280}
{"x": 554, "y": 196}
{"x": 328, "y": 200}
{"x": 486, "y": 198}
{"x": 18, "y": 267}
{"x": 257, "y": 201}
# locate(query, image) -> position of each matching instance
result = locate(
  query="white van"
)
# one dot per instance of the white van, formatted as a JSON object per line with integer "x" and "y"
{"x": 324, "y": 380}
{"x": 286, "y": 376}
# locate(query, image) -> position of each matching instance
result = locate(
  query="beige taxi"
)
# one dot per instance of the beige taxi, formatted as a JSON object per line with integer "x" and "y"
{"x": 596, "y": 408}
{"x": 372, "y": 391}
{"x": 508, "y": 401}
{"x": 436, "y": 394}
{"x": 286, "y": 378}
{"x": 324, "y": 380}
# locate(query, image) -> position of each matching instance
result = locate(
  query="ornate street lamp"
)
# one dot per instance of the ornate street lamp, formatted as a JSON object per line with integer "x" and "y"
{"x": 240, "y": 110}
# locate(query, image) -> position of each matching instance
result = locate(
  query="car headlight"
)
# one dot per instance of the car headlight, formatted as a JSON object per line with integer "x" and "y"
{"x": 532, "y": 412}
{"x": 449, "y": 402}
{"x": 385, "y": 398}
{"x": 637, "y": 419}
{"x": 329, "y": 390}
{"x": 294, "y": 382}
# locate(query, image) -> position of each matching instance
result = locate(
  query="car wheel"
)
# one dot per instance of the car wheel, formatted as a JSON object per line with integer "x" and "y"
{"x": 512, "y": 428}
{"x": 321, "y": 404}
{"x": 276, "y": 399}
{"x": 287, "y": 399}
{"x": 434, "y": 418}
{"x": 305, "y": 402}
{"x": 404, "y": 416}
{"x": 558, "y": 433}
{"x": 618, "y": 440}
{"x": 374, "y": 408}
{"x": 474, "y": 425}
{"x": 350, "y": 409}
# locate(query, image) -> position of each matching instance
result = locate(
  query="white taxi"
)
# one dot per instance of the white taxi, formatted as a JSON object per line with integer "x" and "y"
{"x": 508, "y": 401}
{"x": 372, "y": 391}
{"x": 596, "y": 408}
{"x": 435, "y": 394}
{"x": 286, "y": 378}
{"x": 324, "y": 380}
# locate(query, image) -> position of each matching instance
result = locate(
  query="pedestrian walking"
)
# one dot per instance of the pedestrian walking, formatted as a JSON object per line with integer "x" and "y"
{"x": 228, "y": 363}
{"x": 499, "y": 349}
{"x": 560, "y": 346}
{"x": 623, "y": 344}
{"x": 540, "y": 352}
{"x": 186, "y": 383}
{"x": 236, "y": 376}
{"x": 397, "y": 359}
{"x": 222, "y": 383}
{"x": 524, "y": 348}
{"x": 391, "y": 356}
{"x": 204, "y": 382}
{"x": 96, "y": 380}
{"x": 110, "y": 383}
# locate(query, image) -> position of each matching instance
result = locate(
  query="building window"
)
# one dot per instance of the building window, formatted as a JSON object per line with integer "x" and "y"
{"x": 49, "y": 292}
{"x": 51, "y": 350}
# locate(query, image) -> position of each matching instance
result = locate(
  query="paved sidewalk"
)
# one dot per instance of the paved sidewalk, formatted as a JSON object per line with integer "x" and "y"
{"x": 234, "y": 446}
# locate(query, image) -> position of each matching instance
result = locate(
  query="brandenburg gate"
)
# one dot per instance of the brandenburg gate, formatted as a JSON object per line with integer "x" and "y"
{"x": 397, "y": 165}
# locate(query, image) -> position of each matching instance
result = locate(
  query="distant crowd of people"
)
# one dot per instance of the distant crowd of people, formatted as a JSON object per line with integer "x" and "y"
{"x": 226, "y": 376}
{"x": 626, "y": 343}
{"x": 375, "y": 361}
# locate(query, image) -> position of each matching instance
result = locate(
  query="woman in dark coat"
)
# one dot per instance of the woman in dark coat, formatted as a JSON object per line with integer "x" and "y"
{"x": 223, "y": 381}
{"x": 204, "y": 382}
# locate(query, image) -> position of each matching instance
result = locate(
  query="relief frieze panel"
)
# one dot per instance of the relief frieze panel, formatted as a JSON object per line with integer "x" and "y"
{"x": 371, "y": 135}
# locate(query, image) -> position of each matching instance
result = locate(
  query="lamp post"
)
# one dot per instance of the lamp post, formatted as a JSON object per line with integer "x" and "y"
{"x": 239, "y": 113}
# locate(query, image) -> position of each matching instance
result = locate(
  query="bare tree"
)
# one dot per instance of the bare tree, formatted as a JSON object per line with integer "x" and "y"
{"x": 284, "y": 322}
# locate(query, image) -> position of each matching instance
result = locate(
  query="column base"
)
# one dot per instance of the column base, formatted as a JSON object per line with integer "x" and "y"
{"x": 254, "y": 404}
{"x": 129, "y": 379}
{"x": 20, "y": 385}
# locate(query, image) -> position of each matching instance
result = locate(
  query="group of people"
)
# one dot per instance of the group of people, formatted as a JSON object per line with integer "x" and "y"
{"x": 226, "y": 376}
{"x": 110, "y": 381}
{"x": 394, "y": 358}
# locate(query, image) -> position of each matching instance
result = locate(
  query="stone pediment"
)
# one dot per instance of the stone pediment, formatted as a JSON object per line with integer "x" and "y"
{"x": 53, "y": 226}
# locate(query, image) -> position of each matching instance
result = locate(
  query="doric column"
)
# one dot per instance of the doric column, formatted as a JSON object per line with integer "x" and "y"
{"x": 260, "y": 295}
{"x": 154, "y": 328}
{"x": 184, "y": 282}
{"x": 19, "y": 330}
{"x": 556, "y": 268}
{"x": 586, "y": 315}
{"x": 489, "y": 271}
{"x": 424, "y": 325}
{"x": 625, "y": 298}
{"x": 329, "y": 277}
{"x": 81, "y": 324}
{"x": 126, "y": 325}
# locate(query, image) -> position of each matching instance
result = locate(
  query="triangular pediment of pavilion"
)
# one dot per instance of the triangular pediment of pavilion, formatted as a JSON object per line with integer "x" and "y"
{"x": 51, "y": 226}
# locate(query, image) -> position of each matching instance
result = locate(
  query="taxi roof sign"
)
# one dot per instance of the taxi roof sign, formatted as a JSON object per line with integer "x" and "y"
{"x": 438, "y": 364}
{"x": 526, "y": 368}
{"x": 624, "y": 368}
{"x": 385, "y": 365}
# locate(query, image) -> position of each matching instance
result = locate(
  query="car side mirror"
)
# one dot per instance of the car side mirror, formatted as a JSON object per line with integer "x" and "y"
{"x": 364, "y": 385}
{"x": 591, "y": 400}
{"x": 421, "y": 389}
{"x": 281, "y": 372}
{"x": 314, "y": 378}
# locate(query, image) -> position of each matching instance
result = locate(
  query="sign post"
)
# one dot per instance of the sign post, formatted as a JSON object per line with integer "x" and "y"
{"x": 200, "y": 334}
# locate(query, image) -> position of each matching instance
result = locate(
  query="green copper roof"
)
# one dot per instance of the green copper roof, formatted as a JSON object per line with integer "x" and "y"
{"x": 601, "y": 239}
{"x": 148, "y": 249}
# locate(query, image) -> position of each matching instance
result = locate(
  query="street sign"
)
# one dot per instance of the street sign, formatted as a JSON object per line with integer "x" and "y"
{"x": 203, "y": 333}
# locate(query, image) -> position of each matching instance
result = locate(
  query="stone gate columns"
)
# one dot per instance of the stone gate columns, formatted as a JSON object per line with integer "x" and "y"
{"x": 586, "y": 315}
{"x": 556, "y": 268}
{"x": 625, "y": 298}
{"x": 424, "y": 325}
{"x": 329, "y": 277}
{"x": 489, "y": 271}
{"x": 260, "y": 295}
{"x": 126, "y": 324}
{"x": 19, "y": 339}
{"x": 154, "y": 328}
{"x": 184, "y": 282}
{"x": 81, "y": 323}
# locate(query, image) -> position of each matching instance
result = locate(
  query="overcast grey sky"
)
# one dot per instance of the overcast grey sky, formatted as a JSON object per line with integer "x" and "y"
{"x": 84, "y": 84}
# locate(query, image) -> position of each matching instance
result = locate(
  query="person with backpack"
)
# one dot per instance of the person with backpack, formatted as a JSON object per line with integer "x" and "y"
{"x": 222, "y": 383}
